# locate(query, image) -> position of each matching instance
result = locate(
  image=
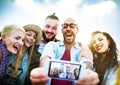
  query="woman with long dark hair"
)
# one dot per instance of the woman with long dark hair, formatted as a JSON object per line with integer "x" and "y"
{"x": 105, "y": 58}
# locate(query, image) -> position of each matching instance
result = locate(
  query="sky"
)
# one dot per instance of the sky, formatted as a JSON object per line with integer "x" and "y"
{"x": 92, "y": 15}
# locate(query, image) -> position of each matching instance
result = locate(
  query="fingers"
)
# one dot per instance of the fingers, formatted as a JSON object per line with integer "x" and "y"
{"x": 90, "y": 78}
{"x": 38, "y": 77}
{"x": 40, "y": 81}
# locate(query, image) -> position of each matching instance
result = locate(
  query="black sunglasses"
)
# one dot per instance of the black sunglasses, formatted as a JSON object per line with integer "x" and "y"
{"x": 72, "y": 25}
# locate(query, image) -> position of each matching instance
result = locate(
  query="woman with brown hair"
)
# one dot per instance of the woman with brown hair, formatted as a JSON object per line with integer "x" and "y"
{"x": 105, "y": 58}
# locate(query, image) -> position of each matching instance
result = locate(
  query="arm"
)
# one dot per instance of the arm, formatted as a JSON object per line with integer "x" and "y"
{"x": 39, "y": 78}
{"x": 43, "y": 59}
{"x": 48, "y": 53}
{"x": 86, "y": 56}
{"x": 86, "y": 52}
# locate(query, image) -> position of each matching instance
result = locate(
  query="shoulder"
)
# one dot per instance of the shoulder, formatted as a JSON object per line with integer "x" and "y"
{"x": 55, "y": 43}
{"x": 56, "y": 40}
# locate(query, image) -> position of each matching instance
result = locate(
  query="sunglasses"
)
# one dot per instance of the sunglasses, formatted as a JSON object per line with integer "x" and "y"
{"x": 72, "y": 25}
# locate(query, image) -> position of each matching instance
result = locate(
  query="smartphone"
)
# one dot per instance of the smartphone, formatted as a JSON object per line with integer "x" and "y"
{"x": 66, "y": 70}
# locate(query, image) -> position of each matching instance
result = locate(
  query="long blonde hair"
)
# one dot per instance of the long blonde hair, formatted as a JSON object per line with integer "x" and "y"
{"x": 38, "y": 31}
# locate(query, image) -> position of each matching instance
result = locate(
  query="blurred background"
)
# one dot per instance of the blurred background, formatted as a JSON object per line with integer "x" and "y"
{"x": 103, "y": 15}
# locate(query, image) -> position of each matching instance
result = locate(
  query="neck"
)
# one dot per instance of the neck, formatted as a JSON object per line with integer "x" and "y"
{"x": 44, "y": 41}
{"x": 69, "y": 45}
{"x": 103, "y": 55}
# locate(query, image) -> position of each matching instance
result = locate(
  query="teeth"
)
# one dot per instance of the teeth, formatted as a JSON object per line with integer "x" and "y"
{"x": 17, "y": 47}
{"x": 98, "y": 47}
{"x": 29, "y": 41}
{"x": 68, "y": 34}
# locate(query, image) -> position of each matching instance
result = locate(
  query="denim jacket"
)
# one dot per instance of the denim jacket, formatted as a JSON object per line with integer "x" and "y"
{"x": 57, "y": 50}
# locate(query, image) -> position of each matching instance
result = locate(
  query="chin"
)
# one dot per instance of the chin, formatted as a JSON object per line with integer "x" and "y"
{"x": 14, "y": 52}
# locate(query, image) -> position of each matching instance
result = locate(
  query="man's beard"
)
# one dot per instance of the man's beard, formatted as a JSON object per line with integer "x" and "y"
{"x": 46, "y": 39}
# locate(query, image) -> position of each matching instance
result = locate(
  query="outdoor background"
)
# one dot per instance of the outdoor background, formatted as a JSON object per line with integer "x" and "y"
{"x": 103, "y": 15}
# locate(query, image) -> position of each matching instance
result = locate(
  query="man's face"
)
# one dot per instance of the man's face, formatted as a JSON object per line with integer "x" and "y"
{"x": 50, "y": 29}
{"x": 69, "y": 30}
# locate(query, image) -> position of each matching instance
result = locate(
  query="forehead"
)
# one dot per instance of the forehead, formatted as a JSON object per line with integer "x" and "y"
{"x": 31, "y": 31}
{"x": 53, "y": 22}
{"x": 17, "y": 30}
{"x": 69, "y": 21}
{"x": 17, "y": 33}
{"x": 99, "y": 35}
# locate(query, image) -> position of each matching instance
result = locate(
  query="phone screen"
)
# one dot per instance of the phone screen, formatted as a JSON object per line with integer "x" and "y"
{"x": 64, "y": 70}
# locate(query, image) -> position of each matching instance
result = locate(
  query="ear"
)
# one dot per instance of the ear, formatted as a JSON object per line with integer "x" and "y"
{"x": 62, "y": 30}
{"x": 3, "y": 37}
{"x": 77, "y": 30}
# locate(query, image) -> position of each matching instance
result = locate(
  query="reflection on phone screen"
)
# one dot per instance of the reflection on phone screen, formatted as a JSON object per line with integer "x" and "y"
{"x": 64, "y": 70}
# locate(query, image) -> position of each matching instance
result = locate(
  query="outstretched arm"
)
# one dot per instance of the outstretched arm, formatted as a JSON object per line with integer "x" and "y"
{"x": 86, "y": 52}
{"x": 39, "y": 78}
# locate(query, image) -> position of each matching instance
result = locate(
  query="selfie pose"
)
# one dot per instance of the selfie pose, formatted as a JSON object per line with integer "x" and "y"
{"x": 67, "y": 50}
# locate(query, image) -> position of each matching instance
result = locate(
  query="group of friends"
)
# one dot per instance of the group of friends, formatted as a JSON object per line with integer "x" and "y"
{"x": 24, "y": 50}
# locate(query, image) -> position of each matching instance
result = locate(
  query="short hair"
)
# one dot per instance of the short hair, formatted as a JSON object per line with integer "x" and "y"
{"x": 53, "y": 16}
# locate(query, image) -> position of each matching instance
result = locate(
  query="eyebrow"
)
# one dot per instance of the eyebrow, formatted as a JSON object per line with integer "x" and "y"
{"x": 69, "y": 23}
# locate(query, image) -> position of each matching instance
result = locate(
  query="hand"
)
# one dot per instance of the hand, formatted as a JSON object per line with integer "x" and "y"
{"x": 38, "y": 76}
{"x": 89, "y": 78}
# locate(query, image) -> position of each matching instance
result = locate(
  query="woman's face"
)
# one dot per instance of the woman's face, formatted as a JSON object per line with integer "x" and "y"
{"x": 76, "y": 72}
{"x": 100, "y": 43}
{"x": 14, "y": 41}
{"x": 30, "y": 38}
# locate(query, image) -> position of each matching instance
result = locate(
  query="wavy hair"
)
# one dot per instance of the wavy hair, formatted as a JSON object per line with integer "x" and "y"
{"x": 110, "y": 59}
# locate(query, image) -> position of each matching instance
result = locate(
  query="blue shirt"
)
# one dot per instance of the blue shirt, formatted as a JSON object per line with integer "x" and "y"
{"x": 55, "y": 50}
{"x": 41, "y": 46}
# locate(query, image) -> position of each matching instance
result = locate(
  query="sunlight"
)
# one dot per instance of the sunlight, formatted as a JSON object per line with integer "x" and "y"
{"x": 91, "y": 17}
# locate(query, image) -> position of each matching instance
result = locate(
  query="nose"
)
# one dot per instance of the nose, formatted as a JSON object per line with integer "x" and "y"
{"x": 97, "y": 42}
{"x": 50, "y": 29}
{"x": 68, "y": 28}
{"x": 21, "y": 42}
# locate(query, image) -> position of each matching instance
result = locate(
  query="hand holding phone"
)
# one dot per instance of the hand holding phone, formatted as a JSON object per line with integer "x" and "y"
{"x": 65, "y": 70}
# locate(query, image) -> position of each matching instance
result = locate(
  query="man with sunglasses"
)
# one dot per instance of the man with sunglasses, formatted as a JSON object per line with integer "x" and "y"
{"x": 68, "y": 50}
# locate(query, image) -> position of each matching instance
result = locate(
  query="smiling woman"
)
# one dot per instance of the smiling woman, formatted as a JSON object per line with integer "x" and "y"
{"x": 27, "y": 57}
{"x": 11, "y": 40}
{"x": 105, "y": 59}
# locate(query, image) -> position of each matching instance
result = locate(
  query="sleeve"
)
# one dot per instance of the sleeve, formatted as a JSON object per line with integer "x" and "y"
{"x": 49, "y": 50}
